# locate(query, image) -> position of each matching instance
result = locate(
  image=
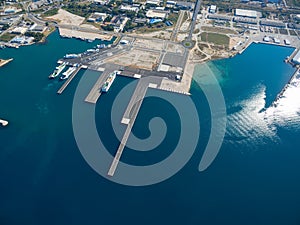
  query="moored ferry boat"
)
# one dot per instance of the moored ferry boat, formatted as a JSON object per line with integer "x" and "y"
{"x": 66, "y": 74}
{"x": 57, "y": 70}
{"x": 109, "y": 82}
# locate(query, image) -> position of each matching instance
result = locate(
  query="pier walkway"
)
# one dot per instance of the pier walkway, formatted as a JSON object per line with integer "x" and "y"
{"x": 131, "y": 114}
{"x": 64, "y": 86}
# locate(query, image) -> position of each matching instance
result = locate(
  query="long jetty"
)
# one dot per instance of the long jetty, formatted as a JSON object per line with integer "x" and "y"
{"x": 68, "y": 81}
{"x": 131, "y": 114}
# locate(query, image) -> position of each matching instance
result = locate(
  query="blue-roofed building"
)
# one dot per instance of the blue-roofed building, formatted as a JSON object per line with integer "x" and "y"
{"x": 152, "y": 21}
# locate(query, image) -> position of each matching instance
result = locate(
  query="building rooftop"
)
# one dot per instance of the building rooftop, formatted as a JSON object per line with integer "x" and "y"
{"x": 247, "y": 13}
{"x": 156, "y": 14}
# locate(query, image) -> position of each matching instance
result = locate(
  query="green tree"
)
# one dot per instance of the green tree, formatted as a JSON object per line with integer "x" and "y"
{"x": 5, "y": 27}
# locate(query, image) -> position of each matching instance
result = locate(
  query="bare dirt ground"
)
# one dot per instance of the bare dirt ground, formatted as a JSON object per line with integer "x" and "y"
{"x": 166, "y": 35}
{"x": 136, "y": 59}
{"x": 65, "y": 17}
{"x": 83, "y": 35}
{"x": 149, "y": 44}
{"x": 175, "y": 48}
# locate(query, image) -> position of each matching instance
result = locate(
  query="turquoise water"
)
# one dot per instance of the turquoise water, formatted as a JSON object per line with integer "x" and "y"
{"x": 255, "y": 179}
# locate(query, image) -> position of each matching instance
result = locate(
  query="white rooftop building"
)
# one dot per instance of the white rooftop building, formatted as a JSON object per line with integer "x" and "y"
{"x": 19, "y": 30}
{"x": 247, "y": 13}
{"x": 156, "y": 14}
{"x": 212, "y": 9}
{"x": 153, "y": 2}
{"x": 129, "y": 8}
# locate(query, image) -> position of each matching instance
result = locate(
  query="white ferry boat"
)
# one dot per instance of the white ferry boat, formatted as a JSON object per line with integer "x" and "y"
{"x": 109, "y": 82}
{"x": 66, "y": 74}
{"x": 57, "y": 70}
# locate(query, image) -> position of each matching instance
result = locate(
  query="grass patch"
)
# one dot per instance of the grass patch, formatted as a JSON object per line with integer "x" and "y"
{"x": 173, "y": 17}
{"x": 217, "y": 39}
{"x": 50, "y": 12}
{"x": 218, "y": 30}
{"x": 7, "y": 37}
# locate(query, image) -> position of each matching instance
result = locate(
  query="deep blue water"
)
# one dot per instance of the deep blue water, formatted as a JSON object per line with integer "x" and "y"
{"x": 44, "y": 179}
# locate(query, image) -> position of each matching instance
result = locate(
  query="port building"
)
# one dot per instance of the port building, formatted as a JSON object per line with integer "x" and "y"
{"x": 272, "y": 23}
{"x": 158, "y": 14}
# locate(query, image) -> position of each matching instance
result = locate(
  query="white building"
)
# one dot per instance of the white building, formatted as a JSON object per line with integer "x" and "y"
{"x": 19, "y": 30}
{"x": 153, "y": 2}
{"x": 247, "y": 13}
{"x": 129, "y": 8}
{"x": 212, "y": 9}
{"x": 157, "y": 14}
{"x": 101, "y": 2}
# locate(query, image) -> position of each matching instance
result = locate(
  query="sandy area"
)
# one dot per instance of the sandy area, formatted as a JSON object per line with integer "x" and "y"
{"x": 233, "y": 41}
{"x": 149, "y": 44}
{"x": 136, "y": 59}
{"x": 89, "y": 26}
{"x": 65, "y": 17}
{"x": 175, "y": 48}
{"x": 83, "y": 35}
{"x": 181, "y": 36}
{"x": 157, "y": 34}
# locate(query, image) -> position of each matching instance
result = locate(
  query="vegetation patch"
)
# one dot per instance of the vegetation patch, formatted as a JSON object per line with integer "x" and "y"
{"x": 7, "y": 37}
{"x": 37, "y": 36}
{"x": 50, "y": 12}
{"x": 217, "y": 39}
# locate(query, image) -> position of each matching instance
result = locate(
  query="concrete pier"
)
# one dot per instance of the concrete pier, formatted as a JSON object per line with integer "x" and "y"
{"x": 95, "y": 92}
{"x": 280, "y": 94}
{"x": 3, "y": 122}
{"x": 64, "y": 86}
{"x": 131, "y": 114}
